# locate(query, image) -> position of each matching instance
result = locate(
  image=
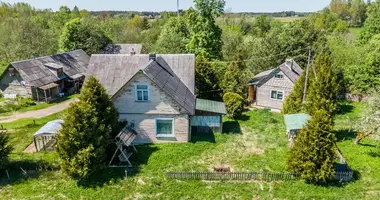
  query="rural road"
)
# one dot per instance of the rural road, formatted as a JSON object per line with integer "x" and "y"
{"x": 38, "y": 113}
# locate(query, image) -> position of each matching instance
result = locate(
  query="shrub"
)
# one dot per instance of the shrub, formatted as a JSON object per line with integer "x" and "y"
{"x": 234, "y": 104}
{"x": 88, "y": 130}
{"x": 5, "y": 149}
{"x": 25, "y": 102}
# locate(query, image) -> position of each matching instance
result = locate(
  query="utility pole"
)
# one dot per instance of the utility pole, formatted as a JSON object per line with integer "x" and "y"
{"x": 307, "y": 77}
{"x": 177, "y": 8}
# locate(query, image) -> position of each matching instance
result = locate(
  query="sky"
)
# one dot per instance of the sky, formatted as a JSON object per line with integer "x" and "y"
{"x": 171, "y": 5}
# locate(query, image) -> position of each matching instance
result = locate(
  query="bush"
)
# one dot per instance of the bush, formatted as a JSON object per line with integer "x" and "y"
{"x": 87, "y": 132}
{"x": 5, "y": 149}
{"x": 234, "y": 104}
{"x": 25, "y": 102}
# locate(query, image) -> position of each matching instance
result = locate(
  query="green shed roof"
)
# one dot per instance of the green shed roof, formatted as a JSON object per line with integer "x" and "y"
{"x": 211, "y": 106}
{"x": 296, "y": 121}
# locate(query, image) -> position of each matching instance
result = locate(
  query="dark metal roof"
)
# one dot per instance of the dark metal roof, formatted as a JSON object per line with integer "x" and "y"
{"x": 164, "y": 77}
{"x": 122, "y": 49}
{"x": 290, "y": 68}
{"x": 35, "y": 73}
{"x": 211, "y": 106}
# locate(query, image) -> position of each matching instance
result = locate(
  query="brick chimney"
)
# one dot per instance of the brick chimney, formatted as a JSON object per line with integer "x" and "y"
{"x": 133, "y": 52}
{"x": 152, "y": 56}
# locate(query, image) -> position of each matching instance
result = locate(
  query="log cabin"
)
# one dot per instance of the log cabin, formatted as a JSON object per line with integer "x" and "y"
{"x": 45, "y": 78}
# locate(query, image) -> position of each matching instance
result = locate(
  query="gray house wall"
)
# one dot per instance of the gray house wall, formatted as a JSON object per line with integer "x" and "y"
{"x": 263, "y": 91}
{"x": 12, "y": 85}
{"x": 143, "y": 115}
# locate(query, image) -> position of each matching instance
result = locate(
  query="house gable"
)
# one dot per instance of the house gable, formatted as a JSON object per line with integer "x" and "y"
{"x": 159, "y": 102}
{"x": 272, "y": 81}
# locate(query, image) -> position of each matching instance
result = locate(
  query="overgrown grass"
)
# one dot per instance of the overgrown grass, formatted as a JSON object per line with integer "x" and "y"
{"x": 355, "y": 31}
{"x": 256, "y": 142}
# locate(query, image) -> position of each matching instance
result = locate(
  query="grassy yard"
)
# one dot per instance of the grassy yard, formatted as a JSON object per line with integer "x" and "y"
{"x": 40, "y": 106}
{"x": 256, "y": 142}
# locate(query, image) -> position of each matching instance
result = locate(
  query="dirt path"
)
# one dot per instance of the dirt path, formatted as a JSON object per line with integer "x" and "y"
{"x": 38, "y": 113}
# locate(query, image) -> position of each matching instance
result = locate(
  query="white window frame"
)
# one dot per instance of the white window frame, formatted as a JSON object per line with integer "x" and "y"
{"x": 283, "y": 95}
{"x": 164, "y": 135}
{"x": 282, "y": 75}
{"x": 136, "y": 90}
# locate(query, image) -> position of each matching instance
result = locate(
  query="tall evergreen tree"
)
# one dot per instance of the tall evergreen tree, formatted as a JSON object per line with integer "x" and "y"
{"x": 88, "y": 130}
{"x": 5, "y": 149}
{"x": 293, "y": 102}
{"x": 313, "y": 153}
{"x": 323, "y": 91}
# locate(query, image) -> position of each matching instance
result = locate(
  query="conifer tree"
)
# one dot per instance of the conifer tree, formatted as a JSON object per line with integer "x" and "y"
{"x": 323, "y": 91}
{"x": 5, "y": 149}
{"x": 313, "y": 153}
{"x": 88, "y": 130}
{"x": 293, "y": 102}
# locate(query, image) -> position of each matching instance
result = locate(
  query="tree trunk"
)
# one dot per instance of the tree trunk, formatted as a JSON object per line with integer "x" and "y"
{"x": 360, "y": 137}
{"x": 357, "y": 140}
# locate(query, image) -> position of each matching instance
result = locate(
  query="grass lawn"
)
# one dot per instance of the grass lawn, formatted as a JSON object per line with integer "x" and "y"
{"x": 256, "y": 142}
{"x": 40, "y": 106}
{"x": 355, "y": 31}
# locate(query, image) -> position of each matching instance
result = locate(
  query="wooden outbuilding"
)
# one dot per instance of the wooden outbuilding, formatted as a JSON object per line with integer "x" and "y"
{"x": 45, "y": 78}
{"x": 208, "y": 116}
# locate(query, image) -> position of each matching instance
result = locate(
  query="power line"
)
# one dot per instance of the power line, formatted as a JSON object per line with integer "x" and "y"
{"x": 252, "y": 59}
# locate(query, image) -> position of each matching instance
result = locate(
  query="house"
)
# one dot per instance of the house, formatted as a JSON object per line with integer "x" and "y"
{"x": 270, "y": 88}
{"x": 122, "y": 49}
{"x": 45, "y": 78}
{"x": 155, "y": 94}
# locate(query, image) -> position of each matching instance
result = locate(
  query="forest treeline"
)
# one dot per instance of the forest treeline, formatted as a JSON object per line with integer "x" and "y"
{"x": 230, "y": 50}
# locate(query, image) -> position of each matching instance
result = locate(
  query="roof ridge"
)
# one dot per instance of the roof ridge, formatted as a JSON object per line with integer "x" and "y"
{"x": 37, "y": 58}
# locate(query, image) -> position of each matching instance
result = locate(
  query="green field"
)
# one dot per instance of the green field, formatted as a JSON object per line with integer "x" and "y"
{"x": 256, "y": 142}
{"x": 355, "y": 31}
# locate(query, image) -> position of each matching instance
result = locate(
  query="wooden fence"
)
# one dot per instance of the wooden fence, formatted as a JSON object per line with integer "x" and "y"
{"x": 249, "y": 176}
{"x": 233, "y": 176}
{"x": 344, "y": 176}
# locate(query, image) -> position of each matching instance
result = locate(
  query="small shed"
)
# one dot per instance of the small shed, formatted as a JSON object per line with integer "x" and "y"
{"x": 208, "y": 116}
{"x": 45, "y": 138}
{"x": 294, "y": 123}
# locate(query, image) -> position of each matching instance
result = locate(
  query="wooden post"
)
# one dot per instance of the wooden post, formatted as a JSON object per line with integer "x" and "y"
{"x": 43, "y": 143}
{"x": 35, "y": 143}
{"x": 38, "y": 97}
{"x": 307, "y": 77}
{"x": 45, "y": 96}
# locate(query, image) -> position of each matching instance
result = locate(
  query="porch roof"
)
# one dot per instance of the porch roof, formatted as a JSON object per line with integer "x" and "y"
{"x": 49, "y": 86}
{"x": 211, "y": 106}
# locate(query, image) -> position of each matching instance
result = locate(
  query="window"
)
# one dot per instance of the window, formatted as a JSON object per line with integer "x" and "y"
{"x": 60, "y": 72}
{"x": 278, "y": 75}
{"x": 278, "y": 95}
{"x": 142, "y": 93}
{"x": 164, "y": 127}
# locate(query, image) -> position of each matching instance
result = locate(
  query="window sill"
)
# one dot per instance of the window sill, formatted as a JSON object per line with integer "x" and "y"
{"x": 142, "y": 101}
{"x": 166, "y": 137}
